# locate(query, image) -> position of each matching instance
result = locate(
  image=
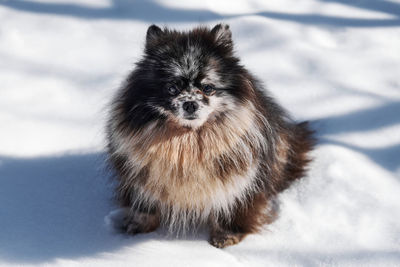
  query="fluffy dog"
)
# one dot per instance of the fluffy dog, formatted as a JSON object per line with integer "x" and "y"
{"x": 195, "y": 139}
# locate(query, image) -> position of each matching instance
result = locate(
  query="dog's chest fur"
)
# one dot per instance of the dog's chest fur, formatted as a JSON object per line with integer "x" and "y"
{"x": 202, "y": 171}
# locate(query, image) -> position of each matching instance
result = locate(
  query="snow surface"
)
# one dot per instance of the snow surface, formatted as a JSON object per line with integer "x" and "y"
{"x": 333, "y": 62}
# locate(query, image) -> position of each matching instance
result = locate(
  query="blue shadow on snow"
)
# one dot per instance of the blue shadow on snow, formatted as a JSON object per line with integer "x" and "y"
{"x": 360, "y": 121}
{"x": 152, "y": 12}
{"x": 54, "y": 207}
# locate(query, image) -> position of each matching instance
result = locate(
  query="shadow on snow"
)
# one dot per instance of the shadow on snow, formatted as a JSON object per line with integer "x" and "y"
{"x": 53, "y": 208}
{"x": 361, "y": 121}
{"x": 153, "y": 12}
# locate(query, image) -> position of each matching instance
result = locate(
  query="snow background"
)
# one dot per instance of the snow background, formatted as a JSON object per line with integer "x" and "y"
{"x": 333, "y": 62}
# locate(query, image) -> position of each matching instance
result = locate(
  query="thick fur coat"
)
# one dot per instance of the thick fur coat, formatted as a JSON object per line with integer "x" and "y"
{"x": 195, "y": 139}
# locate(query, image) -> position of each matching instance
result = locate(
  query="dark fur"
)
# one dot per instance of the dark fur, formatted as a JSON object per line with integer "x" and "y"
{"x": 280, "y": 165}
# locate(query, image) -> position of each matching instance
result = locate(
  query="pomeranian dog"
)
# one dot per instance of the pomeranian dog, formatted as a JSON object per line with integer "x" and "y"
{"x": 195, "y": 140}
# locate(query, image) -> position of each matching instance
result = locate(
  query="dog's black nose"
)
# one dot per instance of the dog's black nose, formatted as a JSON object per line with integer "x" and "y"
{"x": 190, "y": 106}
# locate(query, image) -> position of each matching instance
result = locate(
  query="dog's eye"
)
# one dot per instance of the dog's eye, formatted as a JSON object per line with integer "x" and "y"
{"x": 173, "y": 90}
{"x": 208, "y": 89}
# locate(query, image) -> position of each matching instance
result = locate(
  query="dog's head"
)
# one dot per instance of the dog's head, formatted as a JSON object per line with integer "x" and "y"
{"x": 189, "y": 77}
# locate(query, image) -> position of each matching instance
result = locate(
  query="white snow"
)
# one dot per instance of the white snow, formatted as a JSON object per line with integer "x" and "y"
{"x": 334, "y": 62}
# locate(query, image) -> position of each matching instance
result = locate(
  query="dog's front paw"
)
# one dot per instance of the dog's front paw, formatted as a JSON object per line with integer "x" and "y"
{"x": 223, "y": 240}
{"x": 133, "y": 228}
{"x": 138, "y": 222}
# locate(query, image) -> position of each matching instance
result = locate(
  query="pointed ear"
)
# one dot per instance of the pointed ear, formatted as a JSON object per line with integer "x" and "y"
{"x": 153, "y": 33}
{"x": 223, "y": 35}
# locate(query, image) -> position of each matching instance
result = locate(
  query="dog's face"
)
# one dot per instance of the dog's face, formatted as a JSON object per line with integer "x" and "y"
{"x": 188, "y": 77}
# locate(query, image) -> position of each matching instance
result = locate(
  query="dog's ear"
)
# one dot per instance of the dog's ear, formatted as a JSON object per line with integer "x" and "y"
{"x": 223, "y": 35}
{"x": 153, "y": 33}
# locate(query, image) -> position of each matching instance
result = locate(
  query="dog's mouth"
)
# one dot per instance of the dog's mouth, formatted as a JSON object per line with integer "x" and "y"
{"x": 190, "y": 117}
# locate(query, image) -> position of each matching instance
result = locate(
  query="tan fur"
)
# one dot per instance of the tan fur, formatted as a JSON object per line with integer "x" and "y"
{"x": 192, "y": 174}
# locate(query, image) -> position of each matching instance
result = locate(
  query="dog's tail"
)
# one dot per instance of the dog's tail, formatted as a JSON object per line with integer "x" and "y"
{"x": 300, "y": 141}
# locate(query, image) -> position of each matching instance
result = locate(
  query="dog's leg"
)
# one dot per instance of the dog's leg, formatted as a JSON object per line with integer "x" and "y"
{"x": 247, "y": 219}
{"x": 137, "y": 221}
{"x": 221, "y": 237}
